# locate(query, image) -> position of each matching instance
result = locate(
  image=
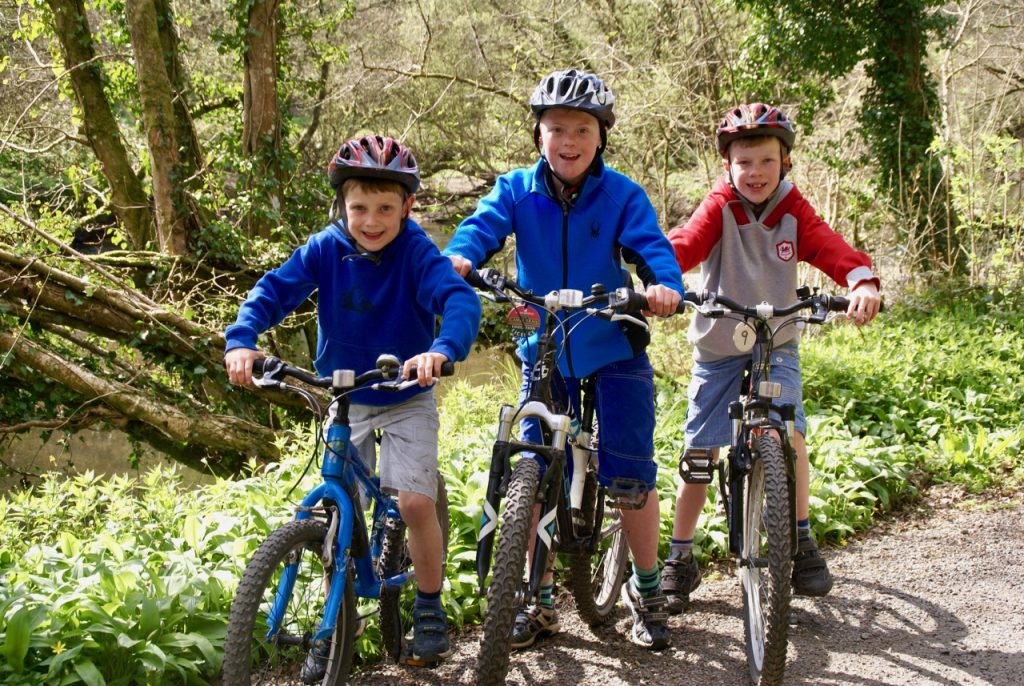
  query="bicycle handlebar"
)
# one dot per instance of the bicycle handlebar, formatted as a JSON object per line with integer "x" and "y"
{"x": 276, "y": 370}
{"x": 623, "y": 300}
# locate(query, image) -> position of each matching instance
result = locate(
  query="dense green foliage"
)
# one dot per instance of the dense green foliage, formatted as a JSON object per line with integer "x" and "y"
{"x": 122, "y": 582}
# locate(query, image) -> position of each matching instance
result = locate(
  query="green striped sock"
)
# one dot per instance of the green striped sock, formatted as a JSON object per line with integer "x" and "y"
{"x": 645, "y": 581}
{"x": 547, "y": 595}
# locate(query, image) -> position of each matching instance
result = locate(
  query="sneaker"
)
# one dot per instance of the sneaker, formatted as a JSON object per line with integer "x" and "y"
{"x": 533, "y": 622}
{"x": 314, "y": 669}
{"x": 810, "y": 571}
{"x": 679, "y": 579}
{"x": 649, "y": 617}
{"x": 430, "y": 642}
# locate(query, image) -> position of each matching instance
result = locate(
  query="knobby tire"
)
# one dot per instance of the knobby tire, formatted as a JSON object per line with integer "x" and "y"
{"x": 594, "y": 579}
{"x": 767, "y": 589}
{"x": 503, "y": 595}
{"x": 248, "y": 658}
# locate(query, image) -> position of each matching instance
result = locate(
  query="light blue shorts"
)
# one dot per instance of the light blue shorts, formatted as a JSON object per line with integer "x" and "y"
{"x": 713, "y": 385}
{"x": 408, "y": 446}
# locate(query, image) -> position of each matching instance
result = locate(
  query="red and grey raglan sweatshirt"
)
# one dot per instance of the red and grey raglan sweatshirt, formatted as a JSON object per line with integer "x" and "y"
{"x": 754, "y": 258}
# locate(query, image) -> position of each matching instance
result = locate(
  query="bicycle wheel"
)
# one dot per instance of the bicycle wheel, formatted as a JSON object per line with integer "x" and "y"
{"x": 250, "y": 657}
{"x": 505, "y": 591}
{"x": 596, "y": 578}
{"x": 395, "y": 616}
{"x": 766, "y": 580}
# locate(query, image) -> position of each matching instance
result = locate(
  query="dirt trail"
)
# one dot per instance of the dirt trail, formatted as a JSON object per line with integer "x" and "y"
{"x": 935, "y": 596}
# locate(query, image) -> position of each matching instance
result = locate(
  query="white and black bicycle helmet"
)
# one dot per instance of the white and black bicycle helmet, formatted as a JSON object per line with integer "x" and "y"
{"x": 576, "y": 90}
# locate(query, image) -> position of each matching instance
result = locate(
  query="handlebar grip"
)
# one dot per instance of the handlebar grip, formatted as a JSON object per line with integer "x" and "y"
{"x": 474, "y": 279}
{"x": 447, "y": 369}
{"x": 637, "y": 302}
{"x": 838, "y": 303}
{"x": 268, "y": 363}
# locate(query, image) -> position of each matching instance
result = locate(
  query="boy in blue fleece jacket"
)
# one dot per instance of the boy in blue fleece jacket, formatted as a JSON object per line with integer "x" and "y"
{"x": 574, "y": 220}
{"x": 380, "y": 284}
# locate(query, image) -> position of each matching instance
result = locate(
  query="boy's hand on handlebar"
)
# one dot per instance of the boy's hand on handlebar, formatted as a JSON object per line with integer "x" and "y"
{"x": 238, "y": 363}
{"x": 661, "y": 300}
{"x": 865, "y": 302}
{"x": 428, "y": 367}
{"x": 461, "y": 264}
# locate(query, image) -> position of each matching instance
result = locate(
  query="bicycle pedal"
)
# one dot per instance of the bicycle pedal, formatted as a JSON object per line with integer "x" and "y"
{"x": 626, "y": 494}
{"x": 407, "y": 658}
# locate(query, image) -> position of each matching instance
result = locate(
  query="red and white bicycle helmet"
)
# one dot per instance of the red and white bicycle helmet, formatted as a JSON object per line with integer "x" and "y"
{"x": 755, "y": 119}
{"x": 378, "y": 157}
{"x": 576, "y": 90}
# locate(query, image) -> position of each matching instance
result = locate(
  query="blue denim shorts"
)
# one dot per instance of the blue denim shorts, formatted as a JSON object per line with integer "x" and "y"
{"x": 713, "y": 385}
{"x": 624, "y": 408}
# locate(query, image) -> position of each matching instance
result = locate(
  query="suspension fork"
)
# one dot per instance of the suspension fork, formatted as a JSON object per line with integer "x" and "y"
{"x": 497, "y": 483}
{"x": 788, "y": 414}
{"x": 581, "y": 444}
{"x": 552, "y": 517}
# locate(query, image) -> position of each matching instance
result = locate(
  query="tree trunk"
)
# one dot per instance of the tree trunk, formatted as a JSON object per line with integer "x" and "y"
{"x": 900, "y": 109}
{"x": 127, "y": 196}
{"x": 197, "y": 432}
{"x": 261, "y": 133}
{"x": 190, "y": 154}
{"x": 128, "y": 362}
{"x": 156, "y": 95}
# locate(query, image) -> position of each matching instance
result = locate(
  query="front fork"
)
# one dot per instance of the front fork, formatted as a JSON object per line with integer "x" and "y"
{"x": 547, "y": 491}
{"x": 731, "y": 478}
{"x": 335, "y": 557}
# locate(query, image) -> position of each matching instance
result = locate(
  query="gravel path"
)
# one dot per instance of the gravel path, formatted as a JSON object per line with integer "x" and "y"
{"x": 935, "y": 596}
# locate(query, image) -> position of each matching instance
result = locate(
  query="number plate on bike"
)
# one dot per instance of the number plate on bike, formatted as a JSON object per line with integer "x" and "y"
{"x": 523, "y": 321}
{"x": 743, "y": 337}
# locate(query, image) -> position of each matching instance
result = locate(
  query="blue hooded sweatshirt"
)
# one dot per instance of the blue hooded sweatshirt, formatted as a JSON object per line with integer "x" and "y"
{"x": 366, "y": 307}
{"x": 573, "y": 246}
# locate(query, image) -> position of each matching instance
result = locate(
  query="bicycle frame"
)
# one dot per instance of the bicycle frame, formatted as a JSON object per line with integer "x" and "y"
{"x": 552, "y": 492}
{"x": 751, "y": 417}
{"x": 343, "y": 474}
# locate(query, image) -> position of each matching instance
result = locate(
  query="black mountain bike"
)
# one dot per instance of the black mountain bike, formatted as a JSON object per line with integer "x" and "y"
{"x": 757, "y": 482}
{"x": 578, "y": 516}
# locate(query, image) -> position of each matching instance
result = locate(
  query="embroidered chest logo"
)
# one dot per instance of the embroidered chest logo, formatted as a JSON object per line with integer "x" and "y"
{"x": 356, "y": 300}
{"x": 785, "y": 250}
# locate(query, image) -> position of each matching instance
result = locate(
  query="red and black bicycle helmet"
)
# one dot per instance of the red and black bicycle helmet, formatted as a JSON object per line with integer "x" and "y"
{"x": 755, "y": 119}
{"x": 378, "y": 157}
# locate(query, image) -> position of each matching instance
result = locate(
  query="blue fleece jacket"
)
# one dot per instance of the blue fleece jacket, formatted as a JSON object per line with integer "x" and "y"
{"x": 366, "y": 308}
{"x": 573, "y": 246}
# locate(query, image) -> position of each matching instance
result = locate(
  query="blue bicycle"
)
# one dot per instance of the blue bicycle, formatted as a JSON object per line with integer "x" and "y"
{"x": 294, "y": 617}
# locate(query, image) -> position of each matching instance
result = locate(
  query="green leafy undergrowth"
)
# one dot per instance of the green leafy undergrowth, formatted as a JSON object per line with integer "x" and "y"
{"x": 124, "y": 581}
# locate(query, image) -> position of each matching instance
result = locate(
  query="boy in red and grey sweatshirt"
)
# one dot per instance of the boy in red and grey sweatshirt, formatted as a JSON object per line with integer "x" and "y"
{"x": 748, "y": 235}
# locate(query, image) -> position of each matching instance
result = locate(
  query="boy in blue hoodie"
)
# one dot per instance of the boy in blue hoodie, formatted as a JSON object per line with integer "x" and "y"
{"x": 380, "y": 284}
{"x": 574, "y": 220}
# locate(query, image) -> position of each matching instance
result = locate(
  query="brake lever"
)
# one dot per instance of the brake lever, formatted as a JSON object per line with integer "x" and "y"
{"x": 613, "y": 316}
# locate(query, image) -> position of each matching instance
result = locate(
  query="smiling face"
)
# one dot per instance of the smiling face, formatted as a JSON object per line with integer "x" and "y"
{"x": 755, "y": 165}
{"x": 569, "y": 140}
{"x": 374, "y": 217}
